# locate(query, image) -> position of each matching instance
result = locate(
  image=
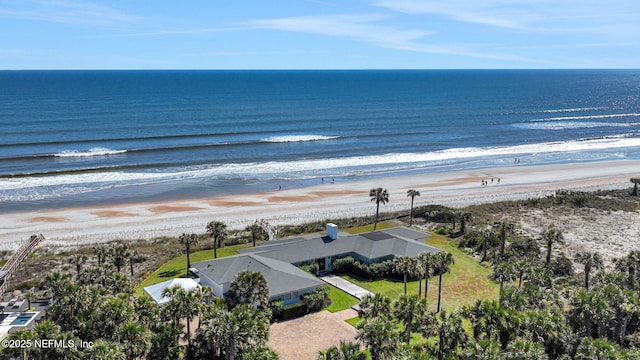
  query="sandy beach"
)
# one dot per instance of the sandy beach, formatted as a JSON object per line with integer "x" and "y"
{"x": 87, "y": 225}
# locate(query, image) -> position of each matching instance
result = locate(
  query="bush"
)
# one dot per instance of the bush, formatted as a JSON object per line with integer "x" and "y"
{"x": 561, "y": 266}
{"x": 316, "y": 300}
{"x": 377, "y": 270}
{"x": 292, "y": 311}
{"x": 313, "y": 268}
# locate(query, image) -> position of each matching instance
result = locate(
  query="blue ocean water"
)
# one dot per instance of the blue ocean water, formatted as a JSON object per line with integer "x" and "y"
{"x": 70, "y": 138}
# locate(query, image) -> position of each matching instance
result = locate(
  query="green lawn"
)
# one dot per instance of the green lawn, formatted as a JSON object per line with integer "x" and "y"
{"x": 466, "y": 282}
{"x": 367, "y": 228}
{"x": 177, "y": 267}
{"x": 340, "y": 300}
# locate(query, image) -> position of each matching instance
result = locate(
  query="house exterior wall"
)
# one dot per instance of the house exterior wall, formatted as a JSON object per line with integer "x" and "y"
{"x": 216, "y": 289}
{"x": 292, "y": 297}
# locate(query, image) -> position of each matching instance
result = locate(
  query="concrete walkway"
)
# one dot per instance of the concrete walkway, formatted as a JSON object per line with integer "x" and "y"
{"x": 346, "y": 286}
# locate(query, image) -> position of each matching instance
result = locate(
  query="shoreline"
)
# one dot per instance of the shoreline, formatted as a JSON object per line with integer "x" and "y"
{"x": 94, "y": 224}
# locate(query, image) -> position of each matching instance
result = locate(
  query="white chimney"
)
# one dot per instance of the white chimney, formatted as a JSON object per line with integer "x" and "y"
{"x": 332, "y": 231}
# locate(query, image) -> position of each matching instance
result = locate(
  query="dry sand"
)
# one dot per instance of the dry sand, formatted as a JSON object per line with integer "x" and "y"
{"x": 81, "y": 226}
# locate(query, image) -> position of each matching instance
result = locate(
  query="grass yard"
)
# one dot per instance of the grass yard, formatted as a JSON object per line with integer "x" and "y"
{"x": 466, "y": 282}
{"x": 340, "y": 300}
{"x": 368, "y": 228}
{"x": 177, "y": 267}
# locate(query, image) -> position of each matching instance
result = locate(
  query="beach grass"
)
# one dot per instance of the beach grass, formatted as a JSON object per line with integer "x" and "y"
{"x": 177, "y": 267}
{"x": 467, "y": 281}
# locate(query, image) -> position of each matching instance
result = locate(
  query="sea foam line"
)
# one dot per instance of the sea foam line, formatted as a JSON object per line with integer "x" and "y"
{"x": 309, "y": 167}
{"x": 585, "y": 117}
{"x": 564, "y": 125}
{"x": 96, "y": 151}
{"x": 298, "y": 138}
{"x": 574, "y": 109}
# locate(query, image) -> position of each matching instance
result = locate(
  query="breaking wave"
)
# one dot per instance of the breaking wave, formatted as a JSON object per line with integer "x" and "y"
{"x": 97, "y": 151}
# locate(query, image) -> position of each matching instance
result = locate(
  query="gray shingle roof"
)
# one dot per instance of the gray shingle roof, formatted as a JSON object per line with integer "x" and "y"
{"x": 273, "y": 259}
{"x": 282, "y": 277}
{"x": 373, "y": 245}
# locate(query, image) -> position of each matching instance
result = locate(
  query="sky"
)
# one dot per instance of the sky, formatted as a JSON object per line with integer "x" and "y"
{"x": 319, "y": 34}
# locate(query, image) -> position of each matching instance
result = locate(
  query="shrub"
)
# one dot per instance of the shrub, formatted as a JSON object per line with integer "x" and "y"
{"x": 316, "y": 300}
{"x": 313, "y": 268}
{"x": 561, "y": 266}
{"x": 377, "y": 270}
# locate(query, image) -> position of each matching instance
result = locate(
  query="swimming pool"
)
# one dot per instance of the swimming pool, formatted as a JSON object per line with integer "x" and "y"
{"x": 23, "y": 318}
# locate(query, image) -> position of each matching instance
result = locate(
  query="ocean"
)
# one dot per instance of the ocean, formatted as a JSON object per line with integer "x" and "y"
{"x": 82, "y": 138}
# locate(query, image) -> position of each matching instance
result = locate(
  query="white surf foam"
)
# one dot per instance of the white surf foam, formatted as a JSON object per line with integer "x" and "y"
{"x": 586, "y": 117}
{"x": 307, "y": 167}
{"x": 574, "y": 109}
{"x": 96, "y": 151}
{"x": 298, "y": 138}
{"x": 564, "y": 125}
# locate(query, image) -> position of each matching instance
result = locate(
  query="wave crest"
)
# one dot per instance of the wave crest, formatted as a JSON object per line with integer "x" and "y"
{"x": 298, "y": 138}
{"x": 97, "y": 151}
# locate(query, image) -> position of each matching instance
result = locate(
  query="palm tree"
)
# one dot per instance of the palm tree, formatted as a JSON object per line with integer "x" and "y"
{"x": 135, "y": 258}
{"x": 135, "y": 340}
{"x": 78, "y": 261}
{"x": 520, "y": 267}
{"x": 347, "y": 350}
{"x": 256, "y": 230}
{"x": 378, "y": 195}
{"x": 190, "y": 305}
{"x": 163, "y": 344}
{"x": 635, "y": 182}
{"x": 591, "y": 307}
{"x": 29, "y": 296}
{"x": 450, "y": 332}
{"x": 589, "y": 260}
{"x": 119, "y": 253}
{"x": 56, "y": 282}
{"x": 173, "y": 307}
{"x": 379, "y": 335}
{"x": 218, "y": 231}
{"x": 372, "y": 306}
{"x": 249, "y": 287}
{"x": 597, "y": 349}
{"x": 188, "y": 240}
{"x": 551, "y": 236}
{"x": 525, "y": 349}
{"x": 486, "y": 239}
{"x": 503, "y": 272}
{"x": 231, "y": 333}
{"x": 412, "y": 194}
{"x": 464, "y": 217}
{"x": 404, "y": 265}
{"x": 104, "y": 350}
{"x": 101, "y": 254}
{"x": 427, "y": 260}
{"x": 504, "y": 228}
{"x": 442, "y": 262}
{"x": 630, "y": 266}
{"x": 406, "y": 309}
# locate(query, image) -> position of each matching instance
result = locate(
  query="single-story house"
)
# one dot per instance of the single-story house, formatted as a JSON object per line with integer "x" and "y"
{"x": 278, "y": 260}
{"x": 286, "y": 282}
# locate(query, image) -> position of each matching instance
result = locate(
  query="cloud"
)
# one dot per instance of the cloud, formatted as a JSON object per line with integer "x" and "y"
{"x": 360, "y": 27}
{"x": 367, "y": 28}
{"x": 574, "y": 16}
{"x": 66, "y": 12}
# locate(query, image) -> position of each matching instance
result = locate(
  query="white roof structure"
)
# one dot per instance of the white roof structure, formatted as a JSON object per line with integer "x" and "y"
{"x": 155, "y": 291}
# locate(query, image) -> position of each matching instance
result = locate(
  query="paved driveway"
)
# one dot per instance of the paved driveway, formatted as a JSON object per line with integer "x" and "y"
{"x": 303, "y": 338}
